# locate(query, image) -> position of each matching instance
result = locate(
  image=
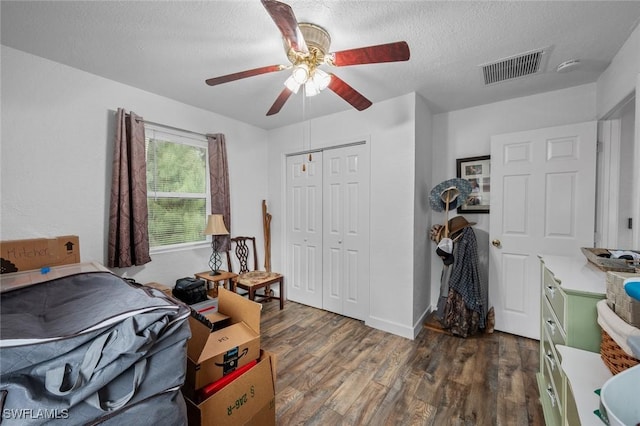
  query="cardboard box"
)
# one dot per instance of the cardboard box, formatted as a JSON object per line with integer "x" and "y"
{"x": 212, "y": 354}
{"x": 218, "y": 320}
{"x": 206, "y": 307}
{"x": 26, "y": 278}
{"x": 248, "y": 400}
{"x": 24, "y": 255}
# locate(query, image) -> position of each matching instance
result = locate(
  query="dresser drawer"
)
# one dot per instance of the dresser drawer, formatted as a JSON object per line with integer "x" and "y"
{"x": 551, "y": 325}
{"x": 551, "y": 360}
{"x": 555, "y": 296}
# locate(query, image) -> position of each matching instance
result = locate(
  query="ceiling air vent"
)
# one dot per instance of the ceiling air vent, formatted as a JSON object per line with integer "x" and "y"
{"x": 513, "y": 67}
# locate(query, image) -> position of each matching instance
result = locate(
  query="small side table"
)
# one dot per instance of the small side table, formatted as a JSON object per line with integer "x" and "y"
{"x": 213, "y": 280}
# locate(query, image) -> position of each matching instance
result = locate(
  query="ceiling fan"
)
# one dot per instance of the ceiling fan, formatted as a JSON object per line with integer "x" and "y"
{"x": 307, "y": 48}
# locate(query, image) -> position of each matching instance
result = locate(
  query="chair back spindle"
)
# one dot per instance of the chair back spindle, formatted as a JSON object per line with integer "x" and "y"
{"x": 243, "y": 253}
{"x": 253, "y": 280}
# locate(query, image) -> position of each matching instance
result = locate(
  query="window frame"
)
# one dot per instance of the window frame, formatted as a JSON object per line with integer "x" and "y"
{"x": 182, "y": 138}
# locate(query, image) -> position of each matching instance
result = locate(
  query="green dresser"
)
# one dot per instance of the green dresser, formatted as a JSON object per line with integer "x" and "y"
{"x": 570, "y": 289}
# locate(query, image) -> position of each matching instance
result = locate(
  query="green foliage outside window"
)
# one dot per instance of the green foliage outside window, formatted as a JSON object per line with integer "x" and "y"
{"x": 176, "y": 192}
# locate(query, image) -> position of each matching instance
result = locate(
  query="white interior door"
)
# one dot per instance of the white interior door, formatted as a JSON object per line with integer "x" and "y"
{"x": 304, "y": 229}
{"x": 542, "y": 201}
{"x": 346, "y": 231}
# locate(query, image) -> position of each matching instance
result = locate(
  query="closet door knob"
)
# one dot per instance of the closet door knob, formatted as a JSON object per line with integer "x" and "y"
{"x": 496, "y": 243}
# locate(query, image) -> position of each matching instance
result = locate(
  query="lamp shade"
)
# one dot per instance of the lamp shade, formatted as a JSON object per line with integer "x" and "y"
{"x": 292, "y": 84}
{"x": 215, "y": 225}
{"x": 300, "y": 73}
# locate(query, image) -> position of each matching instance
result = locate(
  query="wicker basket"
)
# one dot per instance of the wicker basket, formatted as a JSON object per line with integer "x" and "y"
{"x": 614, "y": 357}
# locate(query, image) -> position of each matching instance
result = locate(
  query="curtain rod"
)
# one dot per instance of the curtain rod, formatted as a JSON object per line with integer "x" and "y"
{"x": 172, "y": 128}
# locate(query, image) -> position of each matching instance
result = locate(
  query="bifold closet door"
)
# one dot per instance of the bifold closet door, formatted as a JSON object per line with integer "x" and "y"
{"x": 346, "y": 231}
{"x": 304, "y": 229}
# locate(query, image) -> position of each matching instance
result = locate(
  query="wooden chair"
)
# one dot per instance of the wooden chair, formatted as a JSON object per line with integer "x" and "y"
{"x": 251, "y": 280}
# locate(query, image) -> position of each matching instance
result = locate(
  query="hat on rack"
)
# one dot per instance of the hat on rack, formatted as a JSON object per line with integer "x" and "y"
{"x": 458, "y": 223}
{"x": 456, "y": 189}
{"x": 436, "y": 233}
{"x": 445, "y": 250}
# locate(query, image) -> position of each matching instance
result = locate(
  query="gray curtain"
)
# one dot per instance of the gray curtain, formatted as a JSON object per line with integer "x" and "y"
{"x": 219, "y": 179}
{"x": 128, "y": 214}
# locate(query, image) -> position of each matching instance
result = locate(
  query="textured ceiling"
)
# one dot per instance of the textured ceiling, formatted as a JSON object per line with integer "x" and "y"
{"x": 171, "y": 47}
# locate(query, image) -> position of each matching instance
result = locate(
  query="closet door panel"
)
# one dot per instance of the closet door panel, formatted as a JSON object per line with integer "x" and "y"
{"x": 346, "y": 220}
{"x": 304, "y": 229}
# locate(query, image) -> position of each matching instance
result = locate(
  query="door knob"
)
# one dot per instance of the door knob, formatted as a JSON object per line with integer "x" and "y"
{"x": 496, "y": 243}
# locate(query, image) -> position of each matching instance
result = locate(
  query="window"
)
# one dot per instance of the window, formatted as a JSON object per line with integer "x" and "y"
{"x": 177, "y": 188}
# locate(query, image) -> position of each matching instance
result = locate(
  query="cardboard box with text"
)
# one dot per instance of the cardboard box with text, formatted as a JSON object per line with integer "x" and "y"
{"x": 24, "y": 255}
{"x": 248, "y": 400}
{"x": 211, "y": 354}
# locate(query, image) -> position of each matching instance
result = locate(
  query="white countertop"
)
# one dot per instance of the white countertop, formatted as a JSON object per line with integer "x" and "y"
{"x": 586, "y": 373}
{"x": 576, "y": 273}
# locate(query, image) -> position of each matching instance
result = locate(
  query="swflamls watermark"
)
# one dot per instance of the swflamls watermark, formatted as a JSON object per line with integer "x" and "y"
{"x": 35, "y": 414}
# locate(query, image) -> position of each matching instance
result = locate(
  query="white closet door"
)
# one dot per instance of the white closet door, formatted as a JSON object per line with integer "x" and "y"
{"x": 304, "y": 229}
{"x": 346, "y": 231}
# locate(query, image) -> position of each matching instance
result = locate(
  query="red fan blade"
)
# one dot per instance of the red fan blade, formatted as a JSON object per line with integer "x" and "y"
{"x": 279, "y": 103}
{"x": 348, "y": 93}
{"x": 283, "y": 16}
{"x": 244, "y": 74}
{"x": 391, "y": 52}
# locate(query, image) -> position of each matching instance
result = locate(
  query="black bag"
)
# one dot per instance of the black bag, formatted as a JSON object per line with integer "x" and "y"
{"x": 190, "y": 290}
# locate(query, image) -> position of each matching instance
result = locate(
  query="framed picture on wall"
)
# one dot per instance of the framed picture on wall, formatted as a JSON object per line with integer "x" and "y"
{"x": 477, "y": 170}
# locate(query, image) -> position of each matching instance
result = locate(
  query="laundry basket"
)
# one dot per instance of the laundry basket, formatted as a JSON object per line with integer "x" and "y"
{"x": 620, "y": 399}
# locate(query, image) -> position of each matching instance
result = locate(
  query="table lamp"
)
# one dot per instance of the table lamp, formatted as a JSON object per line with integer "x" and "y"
{"x": 215, "y": 227}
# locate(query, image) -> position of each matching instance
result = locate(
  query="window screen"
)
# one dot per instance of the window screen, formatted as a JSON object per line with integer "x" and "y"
{"x": 177, "y": 189}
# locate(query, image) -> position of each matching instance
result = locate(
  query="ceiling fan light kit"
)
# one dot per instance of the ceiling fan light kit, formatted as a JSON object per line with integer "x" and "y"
{"x": 314, "y": 84}
{"x": 301, "y": 73}
{"x": 291, "y": 84}
{"x": 318, "y": 82}
{"x": 307, "y": 48}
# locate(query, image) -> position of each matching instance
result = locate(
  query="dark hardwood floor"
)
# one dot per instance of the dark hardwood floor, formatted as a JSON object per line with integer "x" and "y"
{"x": 333, "y": 370}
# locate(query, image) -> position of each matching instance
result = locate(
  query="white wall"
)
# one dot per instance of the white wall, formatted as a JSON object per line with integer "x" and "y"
{"x": 57, "y": 132}
{"x": 625, "y": 183}
{"x": 636, "y": 171}
{"x": 467, "y": 133}
{"x": 620, "y": 80}
{"x": 422, "y": 215}
{"x": 389, "y": 127}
